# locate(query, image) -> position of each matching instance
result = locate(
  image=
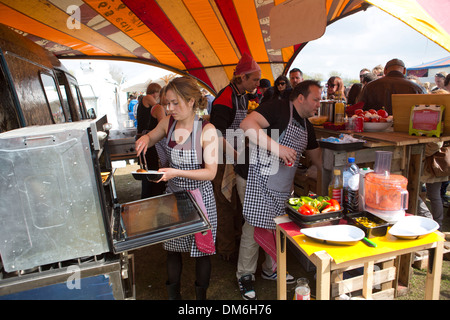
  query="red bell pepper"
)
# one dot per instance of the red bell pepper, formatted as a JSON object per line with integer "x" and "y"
{"x": 307, "y": 210}
{"x": 333, "y": 206}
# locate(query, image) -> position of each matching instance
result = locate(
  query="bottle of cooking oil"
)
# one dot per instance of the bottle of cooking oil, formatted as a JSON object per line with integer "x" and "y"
{"x": 336, "y": 186}
{"x": 339, "y": 114}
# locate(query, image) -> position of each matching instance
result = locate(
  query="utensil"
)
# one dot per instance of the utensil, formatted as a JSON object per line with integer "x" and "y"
{"x": 143, "y": 162}
{"x": 369, "y": 242}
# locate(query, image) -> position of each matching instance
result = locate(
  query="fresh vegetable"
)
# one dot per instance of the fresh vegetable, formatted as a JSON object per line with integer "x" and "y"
{"x": 383, "y": 113}
{"x": 333, "y": 206}
{"x": 308, "y": 210}
{"x": 309, "y": 206}
{"x": 373, "y": 116}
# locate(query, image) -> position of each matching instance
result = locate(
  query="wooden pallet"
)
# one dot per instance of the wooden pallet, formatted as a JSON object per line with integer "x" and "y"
{"x": 382, "y": 276}
{"x": 421, "y": 257}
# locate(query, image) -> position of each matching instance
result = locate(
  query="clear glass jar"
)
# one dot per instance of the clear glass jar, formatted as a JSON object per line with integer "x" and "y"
{"x": 302, "y": 290}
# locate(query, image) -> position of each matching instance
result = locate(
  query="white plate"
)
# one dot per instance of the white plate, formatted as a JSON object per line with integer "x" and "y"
{"x": 150, "y": 175}
{"x": 376, "y": 126}
{"x": 413, "y": 227}
{"x": 339, "y": 234}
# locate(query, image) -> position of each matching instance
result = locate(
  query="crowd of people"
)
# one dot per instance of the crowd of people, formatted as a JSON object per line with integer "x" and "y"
{"x": 244, "y": 163}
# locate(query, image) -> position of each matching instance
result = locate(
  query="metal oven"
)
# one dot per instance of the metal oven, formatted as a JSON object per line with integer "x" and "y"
{"x": 58, "y": 204}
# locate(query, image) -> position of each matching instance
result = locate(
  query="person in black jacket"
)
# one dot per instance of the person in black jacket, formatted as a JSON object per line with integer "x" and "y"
{"x": 228, "y": 110}
{"x": 378, "y": 93}
{"x": 148, "y": 114}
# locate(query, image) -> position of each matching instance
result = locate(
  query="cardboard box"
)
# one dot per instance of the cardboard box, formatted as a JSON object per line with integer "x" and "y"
{"x": 402, "y": 103}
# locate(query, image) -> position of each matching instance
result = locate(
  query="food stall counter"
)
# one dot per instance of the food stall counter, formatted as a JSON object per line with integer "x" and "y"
{"x": 330, "y": 257}
{"x": 408, "y": 155}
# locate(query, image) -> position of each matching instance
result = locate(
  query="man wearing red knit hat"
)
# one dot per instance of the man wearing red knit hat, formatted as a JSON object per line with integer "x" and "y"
{"x": 228, "y": 110}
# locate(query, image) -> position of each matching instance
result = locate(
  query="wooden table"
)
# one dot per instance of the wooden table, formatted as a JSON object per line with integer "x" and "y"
{"x": 345, "y": 256}
{"x": 408, "y": 156}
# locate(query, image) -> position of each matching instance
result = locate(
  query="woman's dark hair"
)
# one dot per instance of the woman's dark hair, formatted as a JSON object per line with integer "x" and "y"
{"x": 355, "y": 89}
{"x": 447, "y": 80}
{"x": 276, "y": 92}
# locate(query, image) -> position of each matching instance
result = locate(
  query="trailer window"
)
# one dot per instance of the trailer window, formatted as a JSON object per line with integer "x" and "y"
{"x": 51, "y": 93}
{"x": 76, "y": 99}
{"x": 65, "y": 100}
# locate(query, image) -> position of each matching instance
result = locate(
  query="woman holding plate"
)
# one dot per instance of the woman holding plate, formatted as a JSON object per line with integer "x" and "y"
{"x": 192, "y": 149}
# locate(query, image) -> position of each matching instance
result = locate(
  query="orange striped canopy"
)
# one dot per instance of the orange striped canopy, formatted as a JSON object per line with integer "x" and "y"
{"x": 202, "y": 38}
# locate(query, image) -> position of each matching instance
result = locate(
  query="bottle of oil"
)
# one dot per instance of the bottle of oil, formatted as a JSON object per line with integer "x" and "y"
{"x": 335, "y": 188}
{"x": 339, "y": 114}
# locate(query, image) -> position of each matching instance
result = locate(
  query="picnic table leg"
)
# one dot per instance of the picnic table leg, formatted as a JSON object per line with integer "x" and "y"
{"x": 433, "y": 280}
{"x": 368, "y": 280}
{"x": 281, "y": 264}
{"x": 323, "y": 267}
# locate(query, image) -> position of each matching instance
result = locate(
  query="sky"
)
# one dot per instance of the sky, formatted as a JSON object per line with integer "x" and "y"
{"x": 364, "y": 40}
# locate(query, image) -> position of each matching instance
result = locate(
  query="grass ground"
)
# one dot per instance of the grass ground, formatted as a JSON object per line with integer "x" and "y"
{"x": 150, "y": 265}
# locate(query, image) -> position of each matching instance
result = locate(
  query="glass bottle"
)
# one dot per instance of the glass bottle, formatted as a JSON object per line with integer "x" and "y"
{"x": 335, "y": 188}
{"x": 339, "y": 113}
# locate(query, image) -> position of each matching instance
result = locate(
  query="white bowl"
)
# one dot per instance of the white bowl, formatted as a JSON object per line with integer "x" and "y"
{"x": 338, "y": 234}
{"x": 413, "y": 227}
{"x": 376, "y": 126}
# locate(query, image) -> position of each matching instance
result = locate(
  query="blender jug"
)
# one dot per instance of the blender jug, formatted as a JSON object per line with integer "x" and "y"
{"x": 386, "y": 196}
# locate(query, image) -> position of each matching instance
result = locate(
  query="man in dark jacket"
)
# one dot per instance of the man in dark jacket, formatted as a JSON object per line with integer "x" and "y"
{"x": 378, "y": 93}
{"x": 228, "y": 110}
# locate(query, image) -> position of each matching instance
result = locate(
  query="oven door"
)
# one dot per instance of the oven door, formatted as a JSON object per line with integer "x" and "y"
{"x": 149, "y": 221}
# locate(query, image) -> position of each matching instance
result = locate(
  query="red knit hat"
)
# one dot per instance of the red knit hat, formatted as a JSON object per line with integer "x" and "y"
{"x": 246, "y": 65}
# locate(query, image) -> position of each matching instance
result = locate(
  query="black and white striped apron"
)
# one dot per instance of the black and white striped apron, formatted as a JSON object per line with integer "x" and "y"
{"x": 188, "y": 156}
{"x": 269, "y": 180}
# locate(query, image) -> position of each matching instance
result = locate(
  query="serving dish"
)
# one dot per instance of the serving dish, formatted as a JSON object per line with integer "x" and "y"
{"x": 351, "y": 146}
{"x": 296, "y": 216}
{"x": 318, "y": 120}
{"x": 150, "y": 175}
{"x": 413, "y": 227}
{"x": 377, "y": 228}
{"x": 376, "y": 126}
{"x": 341, "y": 234}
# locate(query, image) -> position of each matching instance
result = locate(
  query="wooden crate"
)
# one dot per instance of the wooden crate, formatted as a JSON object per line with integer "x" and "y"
{"x": 402, "y": 103}
{"x": 377, "y": 282}
{"x": 421, "y": 257}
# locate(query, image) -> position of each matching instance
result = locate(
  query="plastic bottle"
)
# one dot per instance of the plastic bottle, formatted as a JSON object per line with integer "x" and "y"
{"x": 335, "y": 188}
{"x": 302, "y": 290}
{"x": 362, "y": 175}
{"x": 339, "y": 113}
{"x": 350, "y": 178}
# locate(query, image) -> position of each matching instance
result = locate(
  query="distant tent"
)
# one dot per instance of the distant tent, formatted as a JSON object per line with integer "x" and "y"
{"x": 422, "y": 70}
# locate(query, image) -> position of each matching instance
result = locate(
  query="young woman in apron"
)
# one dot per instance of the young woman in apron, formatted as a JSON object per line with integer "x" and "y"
{"x": 192, "y": 150}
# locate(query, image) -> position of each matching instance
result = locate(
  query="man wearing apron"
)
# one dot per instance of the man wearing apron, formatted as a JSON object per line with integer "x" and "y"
{"x": 272, "y": 167}
{"x": 228, "y": 110}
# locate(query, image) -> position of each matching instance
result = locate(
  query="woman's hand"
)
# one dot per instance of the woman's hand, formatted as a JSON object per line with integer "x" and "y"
{"x": 169, "y": 173}
{"x": 141, "y": 145}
